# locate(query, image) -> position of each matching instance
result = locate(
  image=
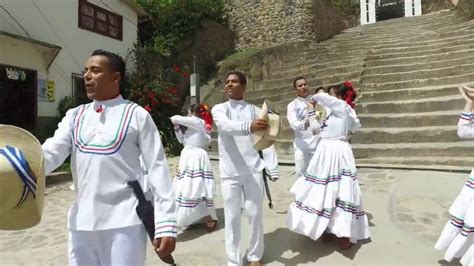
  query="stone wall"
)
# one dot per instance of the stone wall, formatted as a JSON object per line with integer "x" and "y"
{"x": 466, "y": 7}
{"x": 266, "y": 23}
{"x": 429, "y": 6}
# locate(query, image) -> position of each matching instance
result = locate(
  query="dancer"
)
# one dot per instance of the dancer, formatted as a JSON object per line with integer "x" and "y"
{"x": 241, "y": 168}
{"x": 194, "y": 183}
{"x": 457, "y": 237}
{"x": 298, "y": 116}
{"x": 328, "y": 198}
{"x": 105, "y": 139}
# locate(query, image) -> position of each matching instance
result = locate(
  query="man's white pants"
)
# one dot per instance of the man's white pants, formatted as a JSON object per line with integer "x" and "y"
{"x": 302, "y": 159}
{"x": 121, "y": 246}
{"x": 251, "y": 188}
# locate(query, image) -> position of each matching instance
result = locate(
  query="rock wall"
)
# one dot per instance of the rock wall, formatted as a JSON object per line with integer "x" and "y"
{"x": 466, "y": 7}
{"x": 266, "y": 23}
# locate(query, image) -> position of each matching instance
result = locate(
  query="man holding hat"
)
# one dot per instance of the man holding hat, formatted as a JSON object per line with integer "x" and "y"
{"x": 298, "y": 117}
{"x": 241, "y": 167}
{"x": 105, "y": 139}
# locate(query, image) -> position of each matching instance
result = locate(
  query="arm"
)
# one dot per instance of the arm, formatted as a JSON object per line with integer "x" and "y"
{"x": 226, "y": 126}
{"x": 271, "y": 162}
{"x": 178, "y": 133}
{"x": 158, "y": 178}
{"x": 465, "y": 127}
{"x": 356, "y": 125}
{"x": 338, "y": 107}
{"x": 188, "y": 121}
{"x": 57, "y": 148}
{"x": 295, "y": 124}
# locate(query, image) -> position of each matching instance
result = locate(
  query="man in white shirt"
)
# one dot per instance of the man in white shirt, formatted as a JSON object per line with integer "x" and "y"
{"x": 105, "y": 139}
{"x": 299, "y": 119}
{"x": 241, "y": 168}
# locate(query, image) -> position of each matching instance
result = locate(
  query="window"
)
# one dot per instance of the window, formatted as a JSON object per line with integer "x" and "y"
{"x": 99, "y": 20}
{"x": 79, "y": 89}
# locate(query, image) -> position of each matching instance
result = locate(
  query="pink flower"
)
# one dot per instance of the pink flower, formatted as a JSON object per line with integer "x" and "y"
{"x": 148, "y": 108}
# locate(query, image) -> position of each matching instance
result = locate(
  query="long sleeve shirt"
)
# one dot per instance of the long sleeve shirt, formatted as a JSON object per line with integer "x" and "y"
{"x": 195, "y": 135}
{"x": 465, "y": 125}
{"x": 298, "y": 118}
{"x": 105, "y": 148}
{"x": 341, "y": 120}
{"x": 237, "y": 156}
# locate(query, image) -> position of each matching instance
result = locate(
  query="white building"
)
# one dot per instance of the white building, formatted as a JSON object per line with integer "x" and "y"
{"x": 44, "y": 45}
{"x": 372, "y": 11}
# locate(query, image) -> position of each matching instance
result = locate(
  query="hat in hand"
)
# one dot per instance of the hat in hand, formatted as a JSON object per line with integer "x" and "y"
{"x": 266, "y": 138}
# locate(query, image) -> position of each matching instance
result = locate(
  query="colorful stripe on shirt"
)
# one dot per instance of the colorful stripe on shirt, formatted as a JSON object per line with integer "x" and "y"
{"x": 195, "y": 174}
{"x": 98, "y": 148}
{"x": 165, "y": 228}
{"x": 470, "y": 182}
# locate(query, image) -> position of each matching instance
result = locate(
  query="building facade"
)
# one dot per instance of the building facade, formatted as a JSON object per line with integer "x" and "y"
{"x": 44, "y": 45}
{"x": 372, "y": 11}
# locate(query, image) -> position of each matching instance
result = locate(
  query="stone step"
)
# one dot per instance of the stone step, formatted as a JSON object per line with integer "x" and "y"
{"x": 419, "y": 74}
{"x": 408, "y": 94}
{"x": 413, "y": 160}
{"x": 443, "y": 103}
{"x": 408, "y": 120}
{"x": 418, "y": 66}
{"x": 420, "y": 59}
{"x": 305, "y": 64}
{"x": 438, "y": 149}
{"x": 416, "y": 83}
{"x": 429, "y": 51}
{"x": 407, "y": 135}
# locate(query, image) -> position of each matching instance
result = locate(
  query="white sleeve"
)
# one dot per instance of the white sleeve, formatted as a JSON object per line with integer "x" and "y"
{"x": 356, "y": 125}
{"x": 187, "y": 121}
{"x": 158, "y": 178}
{"x": 271, "y": 161}
{"x": 227, "y": 126}
{"x": 465, "y": 125}
{"x": 295, "y": 124}
{"x": 57, "y": 148}
{"x": 338, "y": 107}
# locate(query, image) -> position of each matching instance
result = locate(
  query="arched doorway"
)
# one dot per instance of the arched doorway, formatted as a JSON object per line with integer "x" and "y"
{"x": 388, "y": 9}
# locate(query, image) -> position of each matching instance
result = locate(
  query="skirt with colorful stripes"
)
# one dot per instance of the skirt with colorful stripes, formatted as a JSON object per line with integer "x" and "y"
{"x": 194, "y": 187}
{"x": 328, "y": 196}
{"x": 457, "y": 237}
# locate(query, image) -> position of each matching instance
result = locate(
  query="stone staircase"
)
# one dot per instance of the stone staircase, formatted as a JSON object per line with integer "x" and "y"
{"x": 407, "y": 72}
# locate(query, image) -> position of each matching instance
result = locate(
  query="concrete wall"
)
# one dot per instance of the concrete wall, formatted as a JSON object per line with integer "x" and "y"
{"x": 56, "y": 22}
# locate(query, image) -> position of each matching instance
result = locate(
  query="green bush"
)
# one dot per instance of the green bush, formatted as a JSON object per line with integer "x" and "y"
{"x": 172, "y": 21}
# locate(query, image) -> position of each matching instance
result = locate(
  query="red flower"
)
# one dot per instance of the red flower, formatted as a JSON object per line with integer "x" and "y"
{"x": 176, "y": 68}
{"x": 185, "y": 74}
{"x": 148, "y": 108}
{"x": 173, "y": 90}
{"x": 153, "y": 102}
{"x": 151, "y": 95}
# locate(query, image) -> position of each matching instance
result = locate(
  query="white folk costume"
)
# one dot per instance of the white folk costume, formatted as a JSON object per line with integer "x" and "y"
{"x": 457, "y": 237}
{"x": 105, "y": 140}
{"x": 194, "y": 183}
{"x": 305, "y": 141}
{"x": 241, "y": 172}
{"x": 328, "y": 197}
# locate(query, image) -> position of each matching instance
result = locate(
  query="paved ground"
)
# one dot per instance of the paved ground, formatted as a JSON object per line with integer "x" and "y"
{"x": 407, "y": 210}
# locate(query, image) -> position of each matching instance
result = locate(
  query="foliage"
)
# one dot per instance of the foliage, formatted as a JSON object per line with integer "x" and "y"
{"x": 64, "y": 105}
{"x": 156, "y": 88}
{"x": 348, "y": 9}
{"x": 171, "y": 21}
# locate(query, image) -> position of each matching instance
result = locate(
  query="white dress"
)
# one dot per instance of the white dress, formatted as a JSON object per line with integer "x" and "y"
{"x": 194, "y": 183}
{"x": 457, "y": 237}
{"x": 328, "y": 198}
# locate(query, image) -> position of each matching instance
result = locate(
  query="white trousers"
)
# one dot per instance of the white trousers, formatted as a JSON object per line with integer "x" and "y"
{"x": 302, "y": 158}
{"x": 121, "y": 246}
{"x": 252, "y": 189}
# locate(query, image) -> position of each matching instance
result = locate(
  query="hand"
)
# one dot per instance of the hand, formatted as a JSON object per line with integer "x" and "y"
{"x": 164, "y": 246}
{"x": 258, "y": 125}
{"x": 464, "y": 94}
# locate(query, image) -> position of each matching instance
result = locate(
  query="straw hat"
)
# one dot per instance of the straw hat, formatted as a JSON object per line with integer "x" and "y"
{"x": 22, "y": 179}
{"x": 266, "y": 138}
{"x": 319, "y": 110}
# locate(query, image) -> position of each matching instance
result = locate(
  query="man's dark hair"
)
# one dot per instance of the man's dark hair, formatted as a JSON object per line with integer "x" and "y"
{"x": 296, "y": 79}
{"x": 116, "y": 63}
{"x": 320, "y": 88}
{"x": 242, "y": 78}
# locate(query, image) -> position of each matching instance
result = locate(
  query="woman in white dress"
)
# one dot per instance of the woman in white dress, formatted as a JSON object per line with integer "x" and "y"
{"x": 194, "y": 183}
{"x": 328, "y": 198}
{"x": 457, "y": 237}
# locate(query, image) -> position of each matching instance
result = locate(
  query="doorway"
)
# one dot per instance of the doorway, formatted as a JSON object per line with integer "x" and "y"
{"x": 18, "y": 97}
{"x": 388, "y": 9}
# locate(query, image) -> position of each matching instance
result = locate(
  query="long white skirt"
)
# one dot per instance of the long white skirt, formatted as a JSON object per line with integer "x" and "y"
{"x": 328, "y": 197}
{"x": 457, "y": 237}
{"x": 194, "y": 187}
